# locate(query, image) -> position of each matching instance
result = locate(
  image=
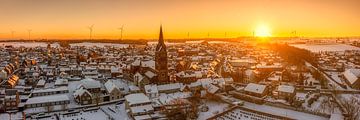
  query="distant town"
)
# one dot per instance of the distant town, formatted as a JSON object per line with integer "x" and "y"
{"x": 252, "y": 78}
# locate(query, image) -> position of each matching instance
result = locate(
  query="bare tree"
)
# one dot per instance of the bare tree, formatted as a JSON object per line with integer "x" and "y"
{"x": 352, "y": 107}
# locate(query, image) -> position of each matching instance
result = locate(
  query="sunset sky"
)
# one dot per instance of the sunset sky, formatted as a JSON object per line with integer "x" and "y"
{"x": 68, "y": 19}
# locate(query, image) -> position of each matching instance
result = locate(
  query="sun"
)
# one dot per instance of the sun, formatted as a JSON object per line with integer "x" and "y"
{"x": 262, "y": 31}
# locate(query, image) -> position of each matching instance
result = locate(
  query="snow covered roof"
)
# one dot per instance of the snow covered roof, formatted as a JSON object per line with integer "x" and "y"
{"x": 142, "y": 117}
{"x": 110, "y": 86}
{"x": 137, "y": 98}
{"x": 61, "y": 82}
{"x": 80, "y": 92}
{"x": 63, "y": 88}
{"x": 134, "y": 88}
{"x": 151, "y": 89}
{"x": 142, "y": 108}
{"x": 41, "y": 82}
{"x": 150, "y": 74}
{"x": 171, "y": 86}
{"x": 89, "y": 83}
{"x": 352, "y": 75}
{"x": 149, "y": 63}
{"x": 255, "y": 88}
{"x": 212, "y": 89}
{"x": 286, "y": 88}
{"x": 136, "y": 63}
{"x": 48, "y": 98}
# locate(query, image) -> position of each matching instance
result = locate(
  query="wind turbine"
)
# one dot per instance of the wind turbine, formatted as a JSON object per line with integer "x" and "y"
{"x": 294, "y": 33}
{"x": 90, "y": 30}
{"x": 121, "y": 31}
{"x": 12, "y": 34}
{"x": 188, "y": 35}
{"x": 29, "y": 33}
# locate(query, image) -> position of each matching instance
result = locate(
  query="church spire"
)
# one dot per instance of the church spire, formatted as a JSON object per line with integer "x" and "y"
{"x": 161, "y": 43}
{"x": 161, "y": 38}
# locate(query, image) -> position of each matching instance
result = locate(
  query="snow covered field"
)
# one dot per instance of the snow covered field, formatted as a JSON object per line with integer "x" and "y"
{"x": 28, "y": 44}
{"x": 325, "y": 47}
{"x": 87, "y": 44}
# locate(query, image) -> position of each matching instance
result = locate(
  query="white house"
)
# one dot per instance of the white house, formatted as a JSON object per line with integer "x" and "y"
{"x": 112, "y": 90}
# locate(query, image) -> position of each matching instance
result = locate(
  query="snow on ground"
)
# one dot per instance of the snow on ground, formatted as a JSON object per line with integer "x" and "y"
{"x": 214, "y": 108}
{"x": 283, "y": 112}
{"x": 335, "y": 76}
{"x": 325, "y": 47}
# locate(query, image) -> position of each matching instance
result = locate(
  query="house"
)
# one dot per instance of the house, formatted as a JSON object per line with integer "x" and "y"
{"x": 138, "y": 104}
{"x": 256, "y": 90}
{"x": 150, "y": 75}
{"x": 286, "y": 92}
{"x": 90, "y": 72}
{"x": 141, "y": 80}
{"x": 352, "y": 78}
{"x": 49, "y": 100}
{"x": 12, "y": 81}
{"x": 93, "y": 86}
{"x": 82, "y": 96}
{"x": 12, "y": 99}
{"x": 112, "y": 90}
{"x": 186, "y": 76}
{"x": 116, "y": 72}
{"x": 88, "y": 92}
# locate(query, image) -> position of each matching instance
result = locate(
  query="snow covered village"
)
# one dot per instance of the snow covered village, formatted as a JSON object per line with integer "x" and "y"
{"x": 199, "y": 79}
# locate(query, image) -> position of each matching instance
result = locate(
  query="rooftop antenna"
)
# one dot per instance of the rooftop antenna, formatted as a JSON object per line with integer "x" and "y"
{"x": 225, "y": 34}
{"x": 90, "y": 30}
{"x": 121, "y": 31}
{"x": 208, "y": 35}
{"x": 29, "y": 33}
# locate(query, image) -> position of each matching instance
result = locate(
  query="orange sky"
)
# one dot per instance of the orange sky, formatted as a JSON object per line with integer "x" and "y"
{"x": 68, "y": 19}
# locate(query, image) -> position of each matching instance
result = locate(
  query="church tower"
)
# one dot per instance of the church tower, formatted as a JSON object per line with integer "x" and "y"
{"x": 161, "y": 60}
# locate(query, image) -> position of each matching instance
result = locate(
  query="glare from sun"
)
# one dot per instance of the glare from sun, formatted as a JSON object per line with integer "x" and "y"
{"x": 262, "y": 31}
